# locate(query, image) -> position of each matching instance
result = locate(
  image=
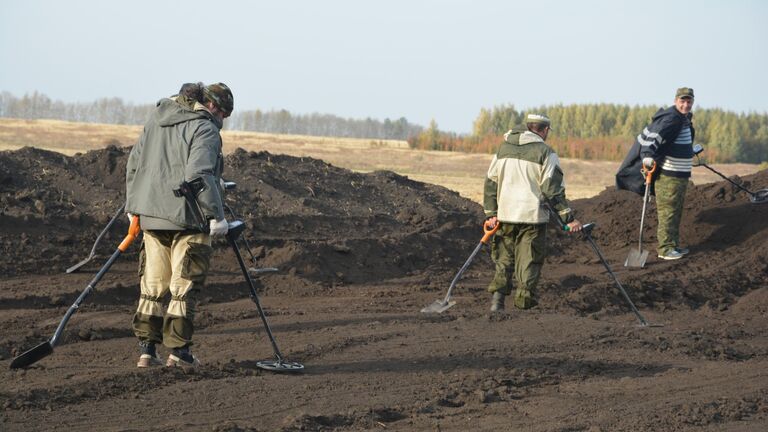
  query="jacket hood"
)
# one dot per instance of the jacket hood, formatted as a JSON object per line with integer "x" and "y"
{"x": 528, "y": 137}
{"x": 170, "y": 112}
{"x": 512, "y": 136}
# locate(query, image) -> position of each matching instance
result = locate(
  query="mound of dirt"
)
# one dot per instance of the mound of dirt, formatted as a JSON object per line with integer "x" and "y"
{"x": 327, "y": 226}
{"x": 727, "y": 236}
{"x": 318, "y": 222}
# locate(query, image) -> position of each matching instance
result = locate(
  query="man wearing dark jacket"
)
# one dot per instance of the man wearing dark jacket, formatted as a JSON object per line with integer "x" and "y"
{"x": 181, "y": 142}
{"x": 668, "y": 143}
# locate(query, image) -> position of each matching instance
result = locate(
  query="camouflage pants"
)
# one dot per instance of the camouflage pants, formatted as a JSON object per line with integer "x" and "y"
{"x": 670, "y": 196}
{"x": 518, "y": 249}
{"x": 175, "y": 261}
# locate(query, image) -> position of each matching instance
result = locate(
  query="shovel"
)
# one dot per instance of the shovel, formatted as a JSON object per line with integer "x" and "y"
{"x": 439, "y": 306}
{"x": 46, "y": 348}
{"x": 636, "y": 258}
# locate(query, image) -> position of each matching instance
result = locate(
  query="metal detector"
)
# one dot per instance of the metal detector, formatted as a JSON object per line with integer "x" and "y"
{"x": 587, "y": 235}
{"x": 46, "y": 348}
{"x": 235, "y": 229}
{"x": 229, "y": 186}
{"x": 439, "y": 306}
{"x": 90, "y": 256}
{"x": 757, "y": 197}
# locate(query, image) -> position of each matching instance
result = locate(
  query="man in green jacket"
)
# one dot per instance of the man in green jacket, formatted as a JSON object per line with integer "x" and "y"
{"x": 181, "y": 142}
{"x": 523, "y": 181}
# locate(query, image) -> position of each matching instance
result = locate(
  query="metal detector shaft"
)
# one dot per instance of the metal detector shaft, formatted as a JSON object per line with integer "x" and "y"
{"x": 587, "y": 232}
{"x": 231, "y": 238}
{"x": 726, "y": 178}
{"x": 588, "y": 237}
{"x": 245, "y": 241}
{"x": 98, "y": 239}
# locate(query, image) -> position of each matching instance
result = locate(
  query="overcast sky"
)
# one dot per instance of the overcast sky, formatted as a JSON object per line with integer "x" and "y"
{"x": 418, "y": 59}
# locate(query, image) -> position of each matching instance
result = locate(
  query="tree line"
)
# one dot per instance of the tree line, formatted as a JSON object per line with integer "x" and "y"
{"x": 115, "y": 111}
{"x": 584, "y": 131}
{"x": 606, "y": 131}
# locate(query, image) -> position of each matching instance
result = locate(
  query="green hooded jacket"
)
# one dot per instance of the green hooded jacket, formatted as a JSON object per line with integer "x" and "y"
{"x": 178, "y": 143}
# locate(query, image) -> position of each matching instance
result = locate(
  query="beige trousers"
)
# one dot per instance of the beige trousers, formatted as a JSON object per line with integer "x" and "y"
{"x": 175, "y": 261}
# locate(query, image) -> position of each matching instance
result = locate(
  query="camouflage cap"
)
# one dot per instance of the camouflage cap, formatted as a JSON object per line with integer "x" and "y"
{"x": 537, "y": 118}
{"x": 684, "y": 92}
{"x": 221, "y": 96}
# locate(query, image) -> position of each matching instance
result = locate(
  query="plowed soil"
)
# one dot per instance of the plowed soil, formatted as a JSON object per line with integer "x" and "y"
{"x": 358, "y": 256}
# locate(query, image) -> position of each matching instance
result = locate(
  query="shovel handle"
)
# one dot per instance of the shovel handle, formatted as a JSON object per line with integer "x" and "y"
{"x": 648, "y": 173}
{"x": 489, "y": 232}
{"x": 133, "y": 231}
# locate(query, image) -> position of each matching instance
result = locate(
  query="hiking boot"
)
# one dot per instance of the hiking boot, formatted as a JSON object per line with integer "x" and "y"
{"x": 148, "y": 357}
{"x": 497, "y": 303}
{"x": 182, "y": 357}
{"x": 682, "y": 251}
{"x": 671, "y": 255}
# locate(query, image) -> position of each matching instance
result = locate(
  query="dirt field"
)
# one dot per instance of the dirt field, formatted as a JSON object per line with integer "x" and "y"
{"x": 359, "y": 256}
{"x": 461, "y": 172}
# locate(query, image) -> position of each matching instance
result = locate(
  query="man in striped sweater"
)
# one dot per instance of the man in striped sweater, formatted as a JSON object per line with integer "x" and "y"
{"x": 668, "y": 142}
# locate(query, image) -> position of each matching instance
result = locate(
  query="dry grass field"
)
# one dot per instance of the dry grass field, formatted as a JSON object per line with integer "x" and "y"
{"x": 461, "y": 172}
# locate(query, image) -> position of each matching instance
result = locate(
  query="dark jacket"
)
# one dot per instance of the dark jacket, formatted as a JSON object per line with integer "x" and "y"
{"x": 654, "y": 141}
{"x": 178, "y": 143}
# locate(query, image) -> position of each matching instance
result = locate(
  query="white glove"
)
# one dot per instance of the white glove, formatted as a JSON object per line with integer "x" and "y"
{"x": 219, "y": 228}
{"x": 648, "y": 162}
{"x": 130, "y": 217}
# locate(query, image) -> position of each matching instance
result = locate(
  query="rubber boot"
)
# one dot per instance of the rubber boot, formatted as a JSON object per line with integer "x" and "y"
{"x": 497, "y": 303}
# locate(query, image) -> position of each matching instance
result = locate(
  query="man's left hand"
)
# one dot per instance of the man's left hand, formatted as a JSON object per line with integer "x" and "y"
{"x": 575, "y": 226}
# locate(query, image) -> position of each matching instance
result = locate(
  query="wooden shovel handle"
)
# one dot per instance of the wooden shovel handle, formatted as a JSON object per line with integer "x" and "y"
{"x": 133, "y": 231}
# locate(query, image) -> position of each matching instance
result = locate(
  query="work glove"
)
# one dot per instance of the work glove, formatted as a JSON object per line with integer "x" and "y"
{"x": 648, "y": 162}
{"x": 219, "y": 228}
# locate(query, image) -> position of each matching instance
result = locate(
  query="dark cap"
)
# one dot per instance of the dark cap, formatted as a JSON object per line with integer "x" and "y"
{"x": 684, "y": 92}
{"x": 221, "y": 96}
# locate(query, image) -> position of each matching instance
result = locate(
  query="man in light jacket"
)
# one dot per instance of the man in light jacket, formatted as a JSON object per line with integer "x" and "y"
{"x": 524, "y": 180}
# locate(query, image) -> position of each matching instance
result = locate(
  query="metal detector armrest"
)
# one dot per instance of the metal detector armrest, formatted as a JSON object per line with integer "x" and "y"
{"x": 189, "y": 191}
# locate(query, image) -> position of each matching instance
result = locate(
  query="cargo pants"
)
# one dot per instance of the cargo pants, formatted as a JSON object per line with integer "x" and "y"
{"x": 670, "y": 197}
{"x": 175, "y": 261}
{"x": 518, "y": 250}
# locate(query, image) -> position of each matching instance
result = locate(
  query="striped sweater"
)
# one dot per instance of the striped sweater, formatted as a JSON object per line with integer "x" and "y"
{"x": 669, "y": 140}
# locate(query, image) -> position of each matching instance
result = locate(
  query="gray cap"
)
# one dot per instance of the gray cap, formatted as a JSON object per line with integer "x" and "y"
{"x": 537, "y": 118}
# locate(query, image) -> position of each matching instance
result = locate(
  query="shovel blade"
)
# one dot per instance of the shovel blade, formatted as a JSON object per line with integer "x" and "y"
{"x": 43, "y": 350}
{"x": 439, "y": 306}
{"x": 636, "y": 258}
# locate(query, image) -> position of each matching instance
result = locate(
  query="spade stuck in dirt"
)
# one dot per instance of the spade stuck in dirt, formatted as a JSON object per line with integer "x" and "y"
{"x": 637, "y": 257}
